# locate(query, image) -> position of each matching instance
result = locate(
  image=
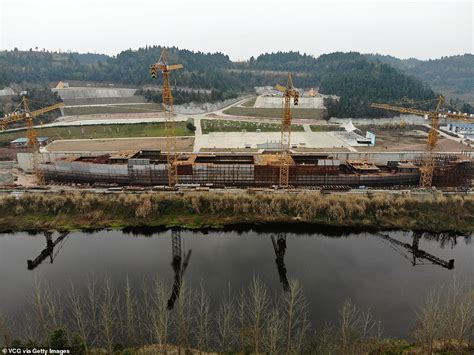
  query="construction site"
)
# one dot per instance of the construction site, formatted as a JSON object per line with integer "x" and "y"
{"x": 150, "y": 168}
{"x": 285, "y": 152}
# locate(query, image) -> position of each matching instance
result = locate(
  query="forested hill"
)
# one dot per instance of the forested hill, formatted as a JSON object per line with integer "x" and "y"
{"x": 454, "y": 76}
{"x": 202, "y": 70}
{"x": 352, "y": 76}
{"x": 88, "y": 58}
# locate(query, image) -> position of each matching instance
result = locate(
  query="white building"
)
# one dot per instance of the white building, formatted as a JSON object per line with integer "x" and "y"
{"x": 461, "y": 128}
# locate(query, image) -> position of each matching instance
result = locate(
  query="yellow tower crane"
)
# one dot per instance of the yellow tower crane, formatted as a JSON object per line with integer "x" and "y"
{"x": 428, "y": 162}
{"x": 289, "y": 92}
{"x": 171, "y": 157}
{"x": 23, "y": 113}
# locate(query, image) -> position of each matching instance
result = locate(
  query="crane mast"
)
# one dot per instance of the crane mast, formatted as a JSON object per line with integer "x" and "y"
{"x": 170, "y": 132}
{"x": 289, "y": 92}
{"x": 428, "y": 161}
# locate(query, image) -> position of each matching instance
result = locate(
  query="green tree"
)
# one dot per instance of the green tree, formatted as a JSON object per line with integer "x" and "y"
{"x": 58, "y": 339}
{"x": 190, "y": 126}
{"x": 77, "y": 345}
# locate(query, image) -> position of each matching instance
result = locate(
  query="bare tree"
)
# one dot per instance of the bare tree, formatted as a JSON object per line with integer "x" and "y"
{"x": 55, "y": 309}
{"x": 354, "y": 325}
{"x": 244, "y": 333}
{"x": 369, "y": 326}
{"x": 326, "y": 340}
{"x": 79, "y": 315}
{"x": 225, "y": 323}
{"x": 294, "y": 307}
{"x": 40, "y": 309}
{"x": 146, "y": 313}
{"x": 348, "y": 324}
{"x": 130, "y": 315}
{"x": 143, "y": 324}
{"x": 274, "y": 332}
{"x": 301, "y": 334}
{"x": 158, "y": 314}
{"x": 30, "y": 331}
{"x": 202, "y": 318}
{"x": 93, "y": 296}
{"x": 428, "y": 320}
{"x": 256, "y": 309}
{"x": 457, "y": 305}
{"x": 108, "y": 313}
{"x": 184, "y": 316}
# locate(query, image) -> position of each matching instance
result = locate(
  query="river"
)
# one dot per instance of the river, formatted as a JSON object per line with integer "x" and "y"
{"x": 371, "y": 269}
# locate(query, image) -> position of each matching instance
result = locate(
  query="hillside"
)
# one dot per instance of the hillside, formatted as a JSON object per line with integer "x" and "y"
{"x": 352, "y": 76}
{"x": 453, "y": 76}
{"x": 38, "y": 67}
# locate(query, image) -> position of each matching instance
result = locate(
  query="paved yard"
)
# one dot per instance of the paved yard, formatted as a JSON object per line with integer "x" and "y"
{"x": 241, "y": 140}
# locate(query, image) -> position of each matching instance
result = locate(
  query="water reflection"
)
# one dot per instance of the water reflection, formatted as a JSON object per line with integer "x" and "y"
{"x": 49, "y": 250}
{"x": 180, "y": 260}
{"x": 446, "y": 239}
{"x": 179, "y": 263}
{"x": 280, "y": 248}
{"x": 418, "y": 256}
{"x": 330, "y": 268}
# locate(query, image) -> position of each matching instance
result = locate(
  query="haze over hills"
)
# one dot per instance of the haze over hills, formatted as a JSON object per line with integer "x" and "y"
{"x": 357, "y": 79}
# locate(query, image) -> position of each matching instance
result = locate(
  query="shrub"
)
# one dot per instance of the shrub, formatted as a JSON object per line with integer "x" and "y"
{"x": 58, "y": 339}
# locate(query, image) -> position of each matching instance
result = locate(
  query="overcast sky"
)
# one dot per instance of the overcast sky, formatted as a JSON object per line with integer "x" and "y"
{"x": 422, "y": 29}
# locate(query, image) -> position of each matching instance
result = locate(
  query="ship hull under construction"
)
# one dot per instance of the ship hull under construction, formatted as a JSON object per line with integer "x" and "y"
{"x": 149, "y": 168}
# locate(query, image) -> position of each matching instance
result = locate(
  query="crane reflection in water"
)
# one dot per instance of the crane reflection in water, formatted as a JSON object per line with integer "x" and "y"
{"x": 180, "y": 260}
{"x": 418, "y": 256}
{"x": 179, "y": 263}
{"x": 49, "y": 251}
{"x": 280, "y": 248}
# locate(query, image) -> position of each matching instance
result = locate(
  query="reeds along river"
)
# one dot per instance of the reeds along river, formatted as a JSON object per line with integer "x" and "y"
{"x": 388, "y": 272}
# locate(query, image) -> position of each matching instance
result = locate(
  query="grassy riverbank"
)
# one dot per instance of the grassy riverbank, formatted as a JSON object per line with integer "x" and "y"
{"x": 70, "y": 211}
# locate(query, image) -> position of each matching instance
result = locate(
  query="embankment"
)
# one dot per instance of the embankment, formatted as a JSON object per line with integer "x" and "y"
{"x": 71, "y": 211}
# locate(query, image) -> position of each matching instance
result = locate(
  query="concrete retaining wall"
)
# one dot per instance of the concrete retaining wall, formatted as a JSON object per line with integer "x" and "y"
{"x": 89, "y": 93}
{"x": 277, "y": 102}
{"x": 407, "y": 119}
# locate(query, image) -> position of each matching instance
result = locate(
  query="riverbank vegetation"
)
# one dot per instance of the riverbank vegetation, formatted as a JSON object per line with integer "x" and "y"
{"x": 157, "y": 317}
{"x": 85, "y": 210}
